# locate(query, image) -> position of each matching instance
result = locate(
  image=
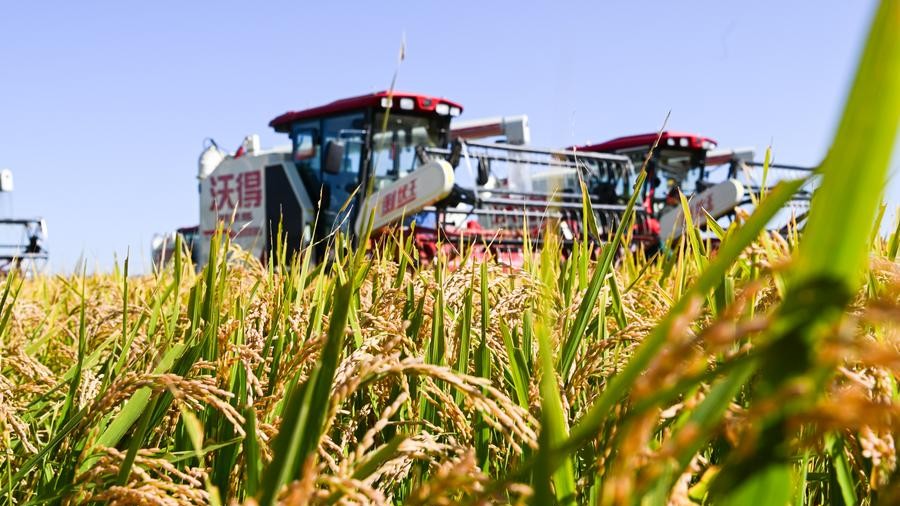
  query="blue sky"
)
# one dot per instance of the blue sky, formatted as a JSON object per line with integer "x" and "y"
{"x": 104, "y": 105}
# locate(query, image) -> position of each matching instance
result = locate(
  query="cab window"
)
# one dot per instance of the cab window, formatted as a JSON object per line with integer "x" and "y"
{"x": 306, "y": 153}
{"x": 394, "y": 148}
{"x": 348, "y": 130}
{"x": 304, "y": 146}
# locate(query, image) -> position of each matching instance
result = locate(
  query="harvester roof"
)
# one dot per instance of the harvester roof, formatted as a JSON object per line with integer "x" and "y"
{"x": 668, "y": 138}
{"x": 419, "y": 102}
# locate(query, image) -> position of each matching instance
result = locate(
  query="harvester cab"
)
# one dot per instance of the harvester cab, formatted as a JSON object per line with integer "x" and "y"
{"x": 339, "y": 147}
{"x": 679, "y": 161}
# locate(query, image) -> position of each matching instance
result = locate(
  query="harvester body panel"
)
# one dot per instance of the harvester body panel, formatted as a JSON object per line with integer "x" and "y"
{"x": 249, "y": 196}
{"x": 717, "y": 200}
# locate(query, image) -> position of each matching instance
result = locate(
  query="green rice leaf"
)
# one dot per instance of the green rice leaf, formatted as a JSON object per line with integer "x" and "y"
{"x": 305, "y": 409}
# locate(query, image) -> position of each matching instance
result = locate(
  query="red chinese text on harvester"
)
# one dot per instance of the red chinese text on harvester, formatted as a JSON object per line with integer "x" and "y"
{"x": 398, "y": 197}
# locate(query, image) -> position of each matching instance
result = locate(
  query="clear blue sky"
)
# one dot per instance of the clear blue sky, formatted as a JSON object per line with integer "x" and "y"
{"x": 103, "y": 106}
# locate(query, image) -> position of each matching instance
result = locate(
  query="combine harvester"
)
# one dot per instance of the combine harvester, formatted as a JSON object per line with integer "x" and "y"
{"x": 693, "y": 164}
{"x": 456, "y": 188}
{"x": 22, "y": 240}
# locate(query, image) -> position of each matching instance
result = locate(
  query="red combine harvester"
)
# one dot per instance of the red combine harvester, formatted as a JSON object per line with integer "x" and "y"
{"x": 692, "y": 163}
{"x": 400, "y": 145}
{"x": 456, "y": 189}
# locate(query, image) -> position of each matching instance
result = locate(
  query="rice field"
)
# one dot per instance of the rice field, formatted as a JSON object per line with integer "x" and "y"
{"x": 757, "y": 368}
{"x": 589, "y": 381}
